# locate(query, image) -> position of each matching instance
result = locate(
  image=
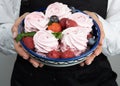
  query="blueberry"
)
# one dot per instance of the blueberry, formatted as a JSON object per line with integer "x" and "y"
{"x": 54, "y": 18}
{"x": 73, "y": 9}
{"x": 91, "y": 41}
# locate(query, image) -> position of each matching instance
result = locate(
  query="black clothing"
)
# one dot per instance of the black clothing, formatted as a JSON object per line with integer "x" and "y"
{"x": 99, "y": 73}
{"x": 98, "y": 6}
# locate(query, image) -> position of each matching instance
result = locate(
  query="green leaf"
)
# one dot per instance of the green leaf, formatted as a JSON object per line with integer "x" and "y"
{"x": 29, "y": 34}
{"x": 58, "y": 35}
{"x": 20, "y": 36}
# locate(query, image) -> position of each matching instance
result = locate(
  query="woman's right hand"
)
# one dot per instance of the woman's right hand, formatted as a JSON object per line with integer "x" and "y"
{"x": 18, "y": 46}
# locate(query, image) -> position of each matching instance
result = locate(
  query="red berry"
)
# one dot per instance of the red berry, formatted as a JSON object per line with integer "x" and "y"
{"x": 54, "y": 54}
{"x": 70, "y": 23}
{"x": 89, "y": 36}
{"x": 67, "y": 54}
{"x": 63, "y": 22}
{"x": 55, "y": 27}
{"x": 28, "y": 41}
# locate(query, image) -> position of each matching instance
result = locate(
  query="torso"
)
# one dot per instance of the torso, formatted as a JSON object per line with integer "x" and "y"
{"x": 98, "y": 6}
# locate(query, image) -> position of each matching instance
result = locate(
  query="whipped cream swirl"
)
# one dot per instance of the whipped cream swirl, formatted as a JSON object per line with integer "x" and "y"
{"x": 59, "y": 9}
{"x": 82, "y": 19}
{"x": 35, "y": 21}
{"x": 75, "y": 38}
{"x": 45, "y": 41}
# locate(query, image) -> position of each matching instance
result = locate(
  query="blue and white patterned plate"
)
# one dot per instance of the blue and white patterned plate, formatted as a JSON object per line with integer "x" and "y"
{"x": 63, "y": 62}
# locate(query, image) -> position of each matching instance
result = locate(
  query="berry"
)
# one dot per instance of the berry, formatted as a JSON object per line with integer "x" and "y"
{"x": 54, "y": 18}
{"x": 73, "y": 10}
{"x": 89, "y": 36}
{"x": 63, "y": 22}
{"x": 91, "y": 41}
{"x": 55, "y": 27}
{"x": 70, "y": 23}
{"x": 28, "y": 41}
{"x": 54, "y": 54}
{"x": 67, "y": 54}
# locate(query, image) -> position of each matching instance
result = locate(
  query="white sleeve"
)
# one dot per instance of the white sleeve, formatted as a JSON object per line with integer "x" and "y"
{"x": 9, "y": 11}
{"x": 111, "y": 26}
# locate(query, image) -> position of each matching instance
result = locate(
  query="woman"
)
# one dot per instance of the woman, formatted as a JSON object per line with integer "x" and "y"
{"x": 95, "y": 71}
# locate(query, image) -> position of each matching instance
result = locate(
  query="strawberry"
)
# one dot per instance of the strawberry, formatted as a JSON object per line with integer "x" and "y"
{"x": 54, "y": 54}
{"x": 63, "y": 22}
{"x": 55, "y": 27}
{"x": 89, "y": 36}
{"x": 70, "y": 23}
{"x": 67, "y": 54}
{"x": 28, "y": 41}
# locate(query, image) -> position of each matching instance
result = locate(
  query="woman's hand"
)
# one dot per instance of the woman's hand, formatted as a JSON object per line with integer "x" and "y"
{"x": 98, "y": 50}
{"x": 18, "y": 46}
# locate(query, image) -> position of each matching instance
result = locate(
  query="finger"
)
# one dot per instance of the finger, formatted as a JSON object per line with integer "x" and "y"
{"x": 14, "y": 31}
{"x": 102, "y": 34}
{"x": 34, "y": 62}
{"x": 14, "y": 35}
{"x": 89, "y": 59}
{"x": 17, "y": 22}
{"x": 82, "y": 64}
{"x": 98, "y": 50}
{"x": 41, "y": 65}
{"x": 20, "y": 50}
{"x": 94, "y": 16}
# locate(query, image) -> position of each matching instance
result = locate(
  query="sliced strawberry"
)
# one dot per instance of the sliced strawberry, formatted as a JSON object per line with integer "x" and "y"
{"x": 28, "y": 41}
{"x": 67, "y": 54}
{"x": 54, "y": 54}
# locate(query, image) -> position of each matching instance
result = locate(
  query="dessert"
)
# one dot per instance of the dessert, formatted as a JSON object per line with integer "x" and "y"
{"x": 35, "y": 21}
{"x": 45, "y": 41}
{"x": 59, "y": 32}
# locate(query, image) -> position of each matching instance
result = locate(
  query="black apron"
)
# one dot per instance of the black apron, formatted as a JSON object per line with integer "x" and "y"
{"x": 99, "y": 73}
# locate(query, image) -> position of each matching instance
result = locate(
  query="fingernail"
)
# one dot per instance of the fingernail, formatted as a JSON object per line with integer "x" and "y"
{"x": 41, "y": 65}
{"x": 82, "y": 64}
{"x": 88, "y": 62}
{"x": 26, "y": 57}
{"x": 14, "y": 34}
{"x": 35, "y": 65}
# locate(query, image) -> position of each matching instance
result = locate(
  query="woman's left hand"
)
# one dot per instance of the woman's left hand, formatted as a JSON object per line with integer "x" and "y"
{"x": 98, "y": 50}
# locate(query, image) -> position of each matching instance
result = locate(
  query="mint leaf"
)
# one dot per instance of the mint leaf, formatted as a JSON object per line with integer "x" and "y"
{"x": 58, "y": 35}
{"x": 20, "y": 36}
{"x": 29, "y": 34}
